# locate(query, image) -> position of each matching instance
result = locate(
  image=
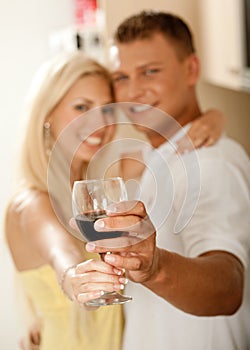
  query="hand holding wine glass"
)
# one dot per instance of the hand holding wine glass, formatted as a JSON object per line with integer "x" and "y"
{"x": 138, "y": 253}
{"x": 90, "y": 200}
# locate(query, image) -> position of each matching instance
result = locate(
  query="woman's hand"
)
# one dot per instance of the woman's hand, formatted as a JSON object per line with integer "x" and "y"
{"x": 90, "y": 279}
{"x": 33, "y": 340}
{"x": 204, "y": 131}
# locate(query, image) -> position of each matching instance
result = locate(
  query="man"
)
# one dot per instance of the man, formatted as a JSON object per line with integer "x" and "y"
{"x": 187, "y": 287}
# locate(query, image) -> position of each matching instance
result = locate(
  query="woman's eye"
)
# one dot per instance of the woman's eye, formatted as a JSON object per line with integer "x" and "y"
{"x": 108, "y": 110}
{"x": 81, "y": 108}
{"x": 119, "y": 78}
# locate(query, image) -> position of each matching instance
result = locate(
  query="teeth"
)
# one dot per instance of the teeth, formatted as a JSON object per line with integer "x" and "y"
{"x": 93, "y": 140}
{"x": 140, "y": 108}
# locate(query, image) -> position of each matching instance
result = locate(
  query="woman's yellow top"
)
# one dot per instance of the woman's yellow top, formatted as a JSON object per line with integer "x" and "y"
{"x": 65, "y": 325}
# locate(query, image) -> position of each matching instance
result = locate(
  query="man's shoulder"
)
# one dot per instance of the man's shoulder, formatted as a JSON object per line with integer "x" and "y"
{"x": 225, "y": 157}
{"x": 226, "y": 149}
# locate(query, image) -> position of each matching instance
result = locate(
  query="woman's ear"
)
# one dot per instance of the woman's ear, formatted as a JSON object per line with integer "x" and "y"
{"x": 193, "y": 69}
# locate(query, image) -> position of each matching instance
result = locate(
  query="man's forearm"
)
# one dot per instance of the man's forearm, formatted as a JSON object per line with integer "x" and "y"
{"x": 208, "y": 285}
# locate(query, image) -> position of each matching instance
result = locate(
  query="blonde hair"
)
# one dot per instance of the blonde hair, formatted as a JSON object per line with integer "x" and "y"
{"x": 50, "y": 85}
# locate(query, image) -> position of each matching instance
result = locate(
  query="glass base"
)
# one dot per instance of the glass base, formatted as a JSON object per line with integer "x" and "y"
{"x": 112, "y": 298}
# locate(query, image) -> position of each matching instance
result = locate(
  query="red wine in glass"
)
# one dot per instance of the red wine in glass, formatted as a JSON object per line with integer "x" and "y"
{"x": 85, "y": 223}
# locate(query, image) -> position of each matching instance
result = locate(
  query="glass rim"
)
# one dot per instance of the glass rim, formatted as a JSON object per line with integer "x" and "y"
{"x": 99, "y": 180}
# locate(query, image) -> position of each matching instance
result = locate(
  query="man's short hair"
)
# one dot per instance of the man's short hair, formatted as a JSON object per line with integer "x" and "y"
{"x": 147, "y": 23}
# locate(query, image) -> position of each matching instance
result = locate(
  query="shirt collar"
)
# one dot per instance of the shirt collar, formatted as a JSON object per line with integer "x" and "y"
{"x": 171, "y": 144}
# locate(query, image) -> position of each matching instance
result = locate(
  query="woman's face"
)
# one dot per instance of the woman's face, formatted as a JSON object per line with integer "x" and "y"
{"x": 88, "y": 132}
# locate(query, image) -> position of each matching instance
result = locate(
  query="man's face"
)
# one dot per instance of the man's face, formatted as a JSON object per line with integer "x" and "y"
{"x": 149, "y": 71}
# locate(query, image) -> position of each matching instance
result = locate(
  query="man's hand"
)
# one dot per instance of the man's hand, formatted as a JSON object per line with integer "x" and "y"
{"x": 135, "y": 252}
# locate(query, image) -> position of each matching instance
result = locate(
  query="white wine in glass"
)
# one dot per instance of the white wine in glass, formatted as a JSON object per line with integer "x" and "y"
{"x": 90, "y": 199}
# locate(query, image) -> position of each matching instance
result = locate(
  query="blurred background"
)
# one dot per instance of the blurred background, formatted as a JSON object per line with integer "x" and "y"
{"x": 32, "y": 31}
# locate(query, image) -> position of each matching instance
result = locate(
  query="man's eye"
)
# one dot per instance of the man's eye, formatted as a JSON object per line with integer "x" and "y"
{"x": 151, "y": 71}
{"x": 81, "y": 108}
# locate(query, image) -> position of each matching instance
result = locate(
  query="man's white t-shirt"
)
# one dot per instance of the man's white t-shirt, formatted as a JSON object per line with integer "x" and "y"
{"x": 198, "y": 202}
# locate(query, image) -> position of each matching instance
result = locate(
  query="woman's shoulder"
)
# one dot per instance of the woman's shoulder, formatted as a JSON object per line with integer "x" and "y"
{"x": 27, "y": 198}
{"x": 21, "y": 222}
{"x": 25, "y": 201}
{"x": 24, "y": 210}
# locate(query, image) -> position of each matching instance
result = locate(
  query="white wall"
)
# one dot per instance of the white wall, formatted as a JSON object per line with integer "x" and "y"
{"x": 224, "y": 68}
{"x": 24, "y": 30}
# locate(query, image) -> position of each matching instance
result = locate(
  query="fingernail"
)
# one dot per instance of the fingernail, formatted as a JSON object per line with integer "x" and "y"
{"x": 119, "y": 272}
{"x": 119, "y": 286}
{"x": 98, "y": 294}
{"x": 123, "y": 280}
{"x": 100, "y": 223}
{"x": 112, "y": 209}
{"x": 90, "y": 247}
{"x": 109, "y": 258}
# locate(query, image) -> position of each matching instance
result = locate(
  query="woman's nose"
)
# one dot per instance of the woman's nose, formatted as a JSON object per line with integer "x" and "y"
{"x": 91, "y": 121}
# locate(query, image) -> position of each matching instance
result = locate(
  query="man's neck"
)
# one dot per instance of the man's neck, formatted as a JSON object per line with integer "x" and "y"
{"x": 157, "y": 139}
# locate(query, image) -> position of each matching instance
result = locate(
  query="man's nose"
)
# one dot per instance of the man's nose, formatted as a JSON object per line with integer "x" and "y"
{"x": 135, "y": 89}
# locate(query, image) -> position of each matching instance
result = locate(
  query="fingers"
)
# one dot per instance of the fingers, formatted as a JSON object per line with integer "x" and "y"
{"x": 184, "y": 145}
{"x": 129, "y": 219}
{"x": 133, "y": 230}
{"x": 132, "y": 262}
{"x": 132, "y": 207}
{"x": 93, "y": 290}
{"x": 202, "y": 137}
{"x": 195, "y": 137}
{"x": 130, "y": 216}
{"x": 204, "y": 131}
{"x": 93, "y": 277}
{"x": 140, "y": 262}
{"x": 129, "y": 223}
{"x": 209, "y": 142}
{"x": 73, "y": 224}
{"x": 33, "y": 343}
{"x": 35, "y": 338}
{"x": 93, "y": 265}
{"x": 95, "y": 282}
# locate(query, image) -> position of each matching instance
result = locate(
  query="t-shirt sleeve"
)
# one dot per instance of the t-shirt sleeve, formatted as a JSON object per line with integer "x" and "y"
{"x": 221, "y": 219}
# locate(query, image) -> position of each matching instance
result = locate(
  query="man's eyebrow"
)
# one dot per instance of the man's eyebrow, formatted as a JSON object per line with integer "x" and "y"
{"x": 143, "y": 66}
{"x": 150, "y": 64}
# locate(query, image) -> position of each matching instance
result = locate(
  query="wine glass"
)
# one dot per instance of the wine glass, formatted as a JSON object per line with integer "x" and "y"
{"x": 90, "y": 199}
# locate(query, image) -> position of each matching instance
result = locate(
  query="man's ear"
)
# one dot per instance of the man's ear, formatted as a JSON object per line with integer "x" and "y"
{"x": 193, "y": 69}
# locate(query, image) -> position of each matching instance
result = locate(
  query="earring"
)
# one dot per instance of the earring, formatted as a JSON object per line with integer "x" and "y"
{"x": 47, "y": 138}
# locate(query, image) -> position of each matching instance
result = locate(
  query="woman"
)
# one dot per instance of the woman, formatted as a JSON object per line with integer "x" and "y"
{"x": 45, "y": 254}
